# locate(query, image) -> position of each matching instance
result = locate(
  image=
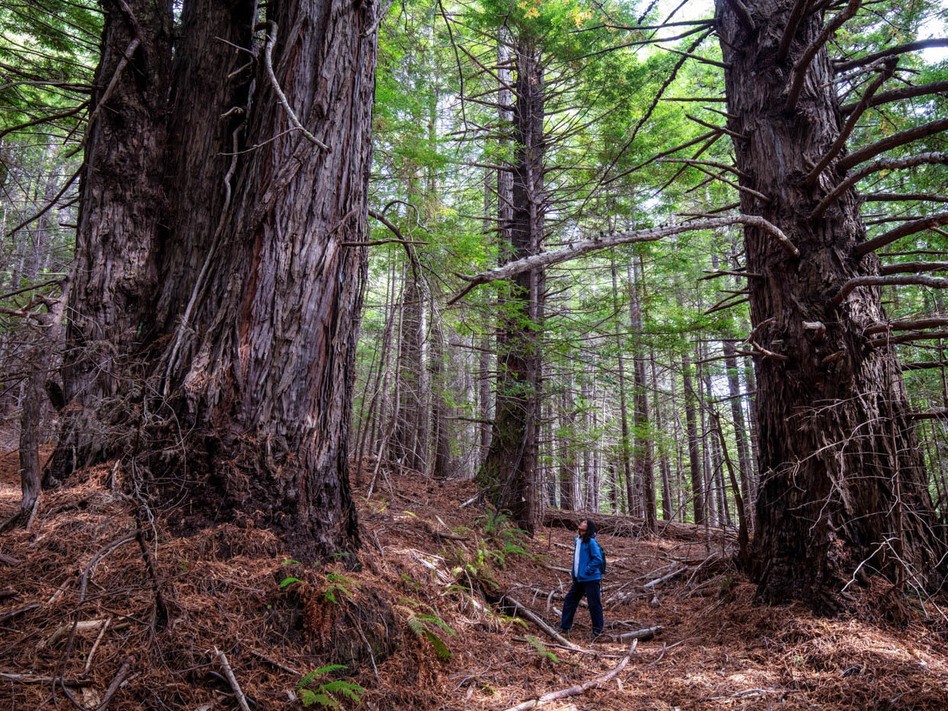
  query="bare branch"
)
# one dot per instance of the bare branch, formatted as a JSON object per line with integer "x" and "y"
{"x": 896, "y": 139}
{"x": 913, "y": 267}
{"x": 790, "y": 31}
{"x": 899, "y": 197}
{"x": 605, "y": 241}
{"x": 271, "y": 38}
{"x": 720, "y": 129}
{"x": 743, "y": 14}
{"x": 48, "y": 206}
{"x": 846, "y": 65}
{"x": 697, "y": 57}
{"x": 803, "y": 63}
{"x": 712, "y": 164}
{"x": 908, "y": 92}
{"x": 907, "y": 325}
{"x": 909, "y": 228}
{"x": 887, "y": 70}
{"x": 885, "y": 164}
{"x": 849, "y": 286}
{"x": 910, "y": 337}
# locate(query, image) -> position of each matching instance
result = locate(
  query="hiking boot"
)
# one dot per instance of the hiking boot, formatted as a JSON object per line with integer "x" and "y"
{"x": 563, "y": 633}
{"x": 596, "y": 637}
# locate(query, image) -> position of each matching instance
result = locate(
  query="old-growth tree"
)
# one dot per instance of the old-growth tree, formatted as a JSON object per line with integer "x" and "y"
{"x": 843, "y": 490}
{"x": 218, "y": 257}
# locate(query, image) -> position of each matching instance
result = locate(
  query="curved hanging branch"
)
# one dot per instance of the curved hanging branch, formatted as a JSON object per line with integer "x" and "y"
{"x": 614, "y": 239}
{"x": 271, "y": 38}
{"x": 790, "y": 31}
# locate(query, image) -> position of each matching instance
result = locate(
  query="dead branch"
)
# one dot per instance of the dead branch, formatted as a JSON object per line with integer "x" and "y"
{"x": 579, "y": 688}
{"x": 644, "y": 634}
{"x": 906, "y": 325}
{"x": 47, "y": 207}
{"x": 900, "y": 197}
{"x": 846, "y": 65}
{"x": 887, "y": 70}
{"x": 232, "y": 680}
{"x": 668, "y": 576}
{"x": 696, "y": 57}
{"x": 916, "y": 280}
{"x": 803, "y": 63}
{"x": 909, "y": 228}
{"x": 538, "y": 621}
{"x": 908, "y": 92}
{"x": 908, "y": 337}
{"x": 925, "y": 365}
{"x": 790, "y": 31}
{"x": 17, "y": 611}
{"x": 614, "y": 239}
{"x": 884, "y": 164}
{"x": 893, "y": 141}
{"x": 116, "y": 684}
{"x": 271, "y": 38}
{"x": 743, "y": 14}
{"x": 714, "y": 127}
{"x": 37, "y": 679}
{"x": 709, "y": 163}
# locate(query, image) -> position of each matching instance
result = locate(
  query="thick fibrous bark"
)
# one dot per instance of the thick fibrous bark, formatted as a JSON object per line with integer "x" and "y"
{"x": 509, "y": 472}
{"x": 121, "y": 214}
{"x": 841, "y": 477}
{"x": 243, "y": 217}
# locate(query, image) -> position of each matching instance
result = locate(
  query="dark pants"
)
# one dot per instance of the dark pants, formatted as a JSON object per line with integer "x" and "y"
{"x": 593, "y": 592}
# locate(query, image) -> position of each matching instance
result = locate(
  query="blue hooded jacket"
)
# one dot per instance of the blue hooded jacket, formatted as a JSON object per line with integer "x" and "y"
{"x": 587, "y": 565}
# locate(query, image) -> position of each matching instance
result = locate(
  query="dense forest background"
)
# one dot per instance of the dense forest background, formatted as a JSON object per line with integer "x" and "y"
{"x": 733, "y": 214}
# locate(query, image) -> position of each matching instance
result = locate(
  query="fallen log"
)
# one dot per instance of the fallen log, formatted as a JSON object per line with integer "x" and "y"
{"x": 629, "y": 527}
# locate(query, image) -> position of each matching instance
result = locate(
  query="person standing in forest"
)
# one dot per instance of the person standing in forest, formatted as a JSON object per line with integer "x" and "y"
{"x": 588, "y": 560}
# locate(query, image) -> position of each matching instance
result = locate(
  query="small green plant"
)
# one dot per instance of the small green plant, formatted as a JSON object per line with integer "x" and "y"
{"x": 338, "y": 587}
{"x": 544, "y": 654}
{"x": 327, "y": 693}
{"x": 424, "y": 625}
{"x": 289, "y": 579}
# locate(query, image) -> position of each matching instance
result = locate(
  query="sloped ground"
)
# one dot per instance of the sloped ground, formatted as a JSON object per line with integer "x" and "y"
{"x": 95, "y": 614}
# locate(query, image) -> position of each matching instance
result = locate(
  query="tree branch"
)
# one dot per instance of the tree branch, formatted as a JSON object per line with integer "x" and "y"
{"x": 849, "y": 286}
{"x": 913, "y": 267}
{"x": 907, "y": 325}
{"x": 790, "y": 31}
{"x": 896, "y": 139}
{"x": 908, "y": 92}
{"x": 909, "y": 228}
{"x": 899, "y": 197}
{"x": 605, "y": 241}
{"x": 887, "y": 70}
{"x": 803, "y": 63}
{"x": 885, "y": 164}
{"x": 846, "y": 65}
{"x": 743, "y": 14}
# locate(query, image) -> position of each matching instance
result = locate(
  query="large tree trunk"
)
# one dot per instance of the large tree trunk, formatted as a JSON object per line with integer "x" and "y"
{"x": 122, "y": 211}
{"x": 842, "y": 487}
{"x": 268, "y": 385}
{"x": 509, "y": 473}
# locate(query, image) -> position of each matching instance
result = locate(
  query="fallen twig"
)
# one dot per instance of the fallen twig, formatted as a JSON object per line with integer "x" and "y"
{"x": 579, "y": 688}
{"x": 116, "y": 684}
{"x": 17, "y": 611}
{"x": 643, "y": 634}
{"x": 232, "y": 680}
{"x": 538, "y": 621}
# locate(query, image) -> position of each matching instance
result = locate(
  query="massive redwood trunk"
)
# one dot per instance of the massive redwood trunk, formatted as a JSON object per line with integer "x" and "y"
{"x": 509, "y": 472}
{"x": 238, "y": 299}
{"x": 842, "y": 488}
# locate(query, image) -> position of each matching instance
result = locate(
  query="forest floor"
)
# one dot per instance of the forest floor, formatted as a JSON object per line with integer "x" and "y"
{"x": 80, "y": 626}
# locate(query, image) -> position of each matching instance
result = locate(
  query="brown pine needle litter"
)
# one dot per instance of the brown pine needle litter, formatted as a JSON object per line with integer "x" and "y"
{"x": 102, "y": 607}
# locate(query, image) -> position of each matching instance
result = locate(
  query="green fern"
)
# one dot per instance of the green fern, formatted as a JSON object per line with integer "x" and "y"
{"x": 541, "y": 650}
{"x": 424, "y": 625}
{"x": 327, "y": 693}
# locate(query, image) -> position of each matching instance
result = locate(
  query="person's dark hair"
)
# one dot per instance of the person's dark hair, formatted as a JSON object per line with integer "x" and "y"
{"x": 590, "y": 531}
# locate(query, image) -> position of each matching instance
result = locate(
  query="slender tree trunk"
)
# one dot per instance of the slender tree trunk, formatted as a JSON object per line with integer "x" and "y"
{"x": 625, "y": 443}
{"x": 409, "y": 440}
{"x": 694, "y": 451}
{"x": 509, "y": 474}
{"x": 737, "y": 417}
{"x": 843, "y": 489}
{"x": 644, "y": 452}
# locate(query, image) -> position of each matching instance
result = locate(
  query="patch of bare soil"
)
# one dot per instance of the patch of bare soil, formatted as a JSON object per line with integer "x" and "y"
{"x": 102, "y": 607}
